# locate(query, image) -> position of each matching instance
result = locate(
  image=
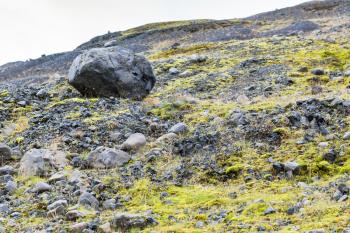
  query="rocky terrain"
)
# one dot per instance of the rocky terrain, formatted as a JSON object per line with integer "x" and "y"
{"x": 247, "y": 129}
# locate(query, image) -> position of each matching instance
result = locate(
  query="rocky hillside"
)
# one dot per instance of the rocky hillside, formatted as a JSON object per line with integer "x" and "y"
{"x": 246, "y": 130}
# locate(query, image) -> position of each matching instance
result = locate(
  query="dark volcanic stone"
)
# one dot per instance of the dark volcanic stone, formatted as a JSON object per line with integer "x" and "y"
{"x": 126, "y": 221}
{"x": 344, "y": 189}
{"x": 87, "y": 199}
{"x": 112, "y": 71}
{"x": 278, "y": 167}
{"x": 5, "y": 153}
{"x": 318, "y": 72}
{"x": 330, "y": 156}
{"x": 104, "y": 157}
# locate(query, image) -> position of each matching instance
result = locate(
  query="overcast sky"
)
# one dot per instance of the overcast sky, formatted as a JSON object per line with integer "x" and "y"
{"x": 30, "y": 28}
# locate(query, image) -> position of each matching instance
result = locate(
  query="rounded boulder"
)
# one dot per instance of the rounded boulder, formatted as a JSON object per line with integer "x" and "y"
{"x": 113, "y": 71}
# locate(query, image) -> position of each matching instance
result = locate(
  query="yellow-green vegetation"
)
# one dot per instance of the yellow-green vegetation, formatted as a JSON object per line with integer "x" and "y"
{"x": 184, "y": 51}
{"x": 72, "y": 100}
{"x": 235, "y": 169}
{"x": 282, "y": 131}
{"x": 4, "y": 93}
{"x": 327, "y": 55}
{"x": 197, "y": 109}
{"x": 346, "y": 167}
{"x": 159, "y": 26}
{"x": 93, "y": 119}
{"x": 316, "y": 54}
{"x": 75, "y": 114}
{"x": 193, "y": 203}
{"x": 27, "y": 182}
{"x": 21, "y": 124}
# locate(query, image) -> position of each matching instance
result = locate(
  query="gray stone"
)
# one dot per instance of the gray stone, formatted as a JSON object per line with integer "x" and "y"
{"x": 5, "y": 153}
{"x": 134, "y": 142}
{"x": 42, "y": 93}
{"x": 5, "y": 178}
{"x": 42, "y": 187}
{"x": 167, "y": 137}
{"x": 87, "y": 199}
{"x": 109, "y": 204}
{"x": 337, "y": 195}
{"x": 127, "y": 221}
{"x": 88, "y": 231}
{"x": 78, "y": 227}
{"x": 111, "y": 43}
{"x": 7, "y": 170}
{"x": 292, "y": 210}
{"x": 196, "y": 58}
{"x": 330, "y": 156}
{"x": 58, "y": 203}
{"x": 11, "y": 187}
{"x": 337, "y": 78}
{"x": 303, "y": 69}
{"x": 22, "y": 103}
{"x": 291, "y": 166}
{"x": 347, "y": 73}
{"x": 343, "y": 188}
{"x": 58, "y": 211}
{"x": 4, "y": 209}
{"x": 173, "y": 71}
{"x": 59, "y": 176}
{"x": 105, "y": 228}
{"x": 40, "y": 162}
{"x": 284, "y": 81}
{"x": 346, "y": 136}
{"x": 112, "y": 71}
{"x": 178, "y": 128}
{"x": 104, "y": 157}
{"x": 343, "y": 198}
{"x": 269, "y": 210}
{"x": 115, "y": 136}
{"x": 199, "y": 224}
{"x": 323, "y": 144}
{"x": 73, "y": 215}
{"x": 318, "y": 71}
{"x": 278, "y": 167}
{"x": 303, "y": 185}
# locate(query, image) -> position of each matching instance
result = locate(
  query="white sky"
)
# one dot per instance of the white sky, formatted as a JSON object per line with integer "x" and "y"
{"x": 30, "y": 28}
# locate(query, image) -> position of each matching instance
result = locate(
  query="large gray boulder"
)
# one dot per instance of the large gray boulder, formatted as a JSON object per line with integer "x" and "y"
{"x": 104, "y": 157}
{"x": 112, "y": 71}
{"x": 42, "y": 162}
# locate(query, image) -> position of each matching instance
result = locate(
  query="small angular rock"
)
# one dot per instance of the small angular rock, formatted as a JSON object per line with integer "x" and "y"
{"x": 173, "y": 71}
{"x": 318, "y": 71}
{"x": 126, "y": 221}
{"x": 178, "y": 128}
{"x": 5, "y": 153}
{"x": 87, "y": 199}
{"x": 40, "y": 162}
{"x": 346, "y": 136}
{"x": 104, "y": 157}
{"x": 134, "y": 142}
{"x": 42, "y": 187}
